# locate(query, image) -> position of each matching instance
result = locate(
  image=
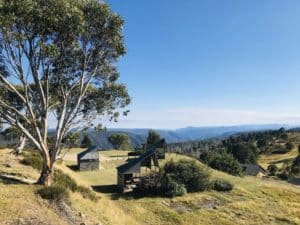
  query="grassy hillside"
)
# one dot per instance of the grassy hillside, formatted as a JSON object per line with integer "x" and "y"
{"x": 279, "y": 159}
{"x": 253, "y": 200}
{"x": 18, "y": 202}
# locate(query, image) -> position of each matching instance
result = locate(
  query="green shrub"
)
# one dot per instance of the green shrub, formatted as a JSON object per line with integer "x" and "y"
{"x": 187, "y": 172}
{"x": 150, "y": 185}
{"x": 64, "y": 180}
{"x": 289, "y": 146}
{"x": 272, "y": 170}
{"x": 283, "y": 175}
{"x": 33, "y": 159}
{"x": 223, "y": 161}
{"x": 295, "y": 169}
{"x": 222, "y": 185}
{"x": 87, "y": 193}
{"x": 54, "y": 193}
{"x": 174, "y": 188}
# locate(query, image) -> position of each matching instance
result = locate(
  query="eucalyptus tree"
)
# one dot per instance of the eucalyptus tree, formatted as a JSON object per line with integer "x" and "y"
{"x": 15, "y": 134}
{"x": 60, "y": 58}
{"x": 120, "y": 141}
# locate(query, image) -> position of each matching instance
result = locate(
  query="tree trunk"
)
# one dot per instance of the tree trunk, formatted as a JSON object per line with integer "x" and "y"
{"x": 19, "y": 148}
{"x": 46, "y": 177}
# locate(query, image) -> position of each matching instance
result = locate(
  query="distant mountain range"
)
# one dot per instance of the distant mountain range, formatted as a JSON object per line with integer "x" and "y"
{"x": 138, "y": 136}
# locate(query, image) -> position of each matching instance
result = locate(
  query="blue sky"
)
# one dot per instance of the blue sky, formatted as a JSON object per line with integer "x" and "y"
{"x": 210, "y": 62}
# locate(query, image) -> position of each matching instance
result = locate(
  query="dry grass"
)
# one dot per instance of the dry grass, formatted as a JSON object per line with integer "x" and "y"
{"x": 20, "y": 205}
{"x": 253, "y": 201}
{"x": 279, "y": 159}
{"x": 115, "y": 153}
{"x": 10, "y": 165}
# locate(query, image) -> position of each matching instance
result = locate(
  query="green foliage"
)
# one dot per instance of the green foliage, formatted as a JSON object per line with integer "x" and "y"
{"x": 87, "y": 193}
{"x": 10, "y": 133}
{"x": 72, "y": 140}
{"x": 173, "y": 188}
{"x": 64, "y": 180}
{"x": 86, "y": 142}
{"x": 54, "y": 193}
{"x": 244, "y": 152}
{"x": 153, "y": 137}
{"x": 272, "y": 170}
{"x": 222, "y": 161}
{"x": 279, "y": 149}
{"x": 62, "y": 58}
{"x": 120, "y": 141}
{"x": 176, "y": 179}
{"x": 187, "y": 172}
{"x": 222, "y": 185}
{"x": 32, "y": 158}
{"x": 284, "y": 175}
{"x": 295, "y": 169}
{"x": 289, "y": 146}
{"x": 262, "y": 142}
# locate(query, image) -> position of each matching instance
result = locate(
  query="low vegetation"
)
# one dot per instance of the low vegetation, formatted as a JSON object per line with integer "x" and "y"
{"x": 251, "y": 201}
{"x": 176, "y": 179}
{"x": 222, "y": 161}
{"x": 222, "y": 185}
{"x": 32, "y": 158}
{"x": 65, "y": 181}
{"x": 54, "y": 193}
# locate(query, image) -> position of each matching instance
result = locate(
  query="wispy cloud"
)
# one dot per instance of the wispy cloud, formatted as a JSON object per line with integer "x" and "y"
{"x": 176, "y": 118}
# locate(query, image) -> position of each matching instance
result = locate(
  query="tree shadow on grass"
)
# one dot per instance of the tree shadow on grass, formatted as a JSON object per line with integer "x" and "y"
{"x": 115, "y": 192}
{"x": 295, "y": 181}
{"x": 107, "y": 189}
{"x": 7, "y": 179}
{"x": 73, "y": 167}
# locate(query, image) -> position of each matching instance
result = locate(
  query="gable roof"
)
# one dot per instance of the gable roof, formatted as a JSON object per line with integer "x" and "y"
{"x": 252, "y": 169}
{"x": 90, "y": 153}
{"x": 125, "y": 167}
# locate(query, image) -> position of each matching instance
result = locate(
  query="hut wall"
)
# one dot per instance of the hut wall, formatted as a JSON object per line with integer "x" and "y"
{"x": 121, "y": 182}
{"x": 89, "y": 165}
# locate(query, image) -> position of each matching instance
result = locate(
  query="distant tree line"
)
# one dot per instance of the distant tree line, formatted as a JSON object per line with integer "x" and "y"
{"x": 228, "y": 154}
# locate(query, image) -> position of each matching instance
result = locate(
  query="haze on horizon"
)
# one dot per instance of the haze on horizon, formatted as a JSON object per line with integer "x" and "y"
{"x": 203, "y": 63}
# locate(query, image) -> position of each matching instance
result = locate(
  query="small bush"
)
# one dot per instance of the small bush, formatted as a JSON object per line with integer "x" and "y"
{"x": 64, "y": 180}
{"x": 289, "y": 146}
{"x": 175, "y": 189}
{"x": 222, "y": 185}
{"x": 222, "y": 161}
{"x": 187, "y": 172}
{"x": 283, "y": 175}
{"x": 33, "y": 159}
{"x": 87, "y": 193}
{"x": 272, "y": 170}
{"x": 295, "y": 169}
{"x": 149, "y": 185}
{"x": 54, "y": 193}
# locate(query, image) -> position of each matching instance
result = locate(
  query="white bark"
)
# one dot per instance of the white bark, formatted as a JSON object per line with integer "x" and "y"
{"x": 19, "y": 148}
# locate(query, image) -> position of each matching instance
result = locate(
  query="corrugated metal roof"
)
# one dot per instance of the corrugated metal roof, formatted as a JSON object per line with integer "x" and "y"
{"x": 90, "y": 153}
{"x": 252, "y": 169}
{"x": 127, "y": 166}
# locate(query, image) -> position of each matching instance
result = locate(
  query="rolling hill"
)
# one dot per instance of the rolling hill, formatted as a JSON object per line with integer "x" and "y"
{"x": 252, "y": 201}
{"x": 138, "y": 136}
